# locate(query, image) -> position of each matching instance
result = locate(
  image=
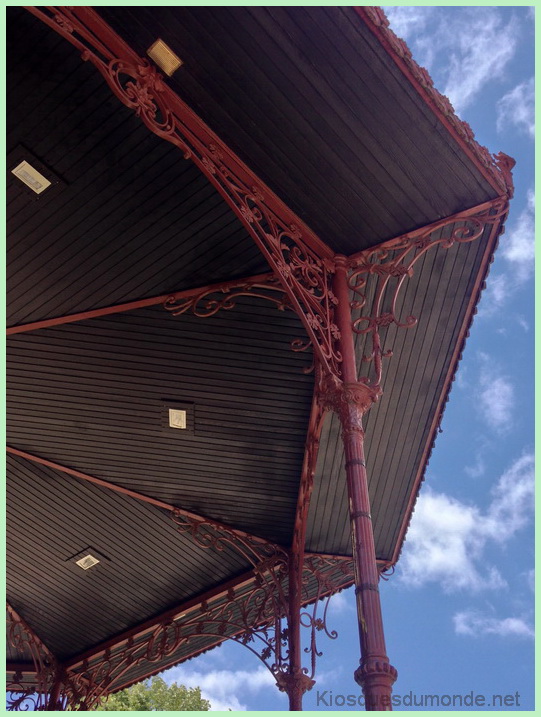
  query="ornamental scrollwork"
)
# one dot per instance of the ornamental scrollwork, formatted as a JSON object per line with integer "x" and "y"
{"x": 249, "y": 615}
{"x": 208, "y": 302}
{"x": 378, "y": 274}
{"x": 316, "y": 568}
{"x": 33, "y": 695}
{"x": 305, "y": 276}
{"x": 300, "y": 260}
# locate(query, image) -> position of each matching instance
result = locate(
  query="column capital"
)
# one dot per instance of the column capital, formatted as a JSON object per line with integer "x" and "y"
{"x": 296, "y": 681}
{"x": 350, "y": 400}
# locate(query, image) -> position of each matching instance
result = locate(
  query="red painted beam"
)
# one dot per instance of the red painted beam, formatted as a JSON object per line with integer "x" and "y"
{"x": 96, "y": 35}
{"x": 133, "y": 305}
{"x": 127, "y": 492}
{"x": 24, "y": 668}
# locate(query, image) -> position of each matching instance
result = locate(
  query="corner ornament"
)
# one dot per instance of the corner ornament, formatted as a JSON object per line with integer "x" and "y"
{"x": 378, "y": 274}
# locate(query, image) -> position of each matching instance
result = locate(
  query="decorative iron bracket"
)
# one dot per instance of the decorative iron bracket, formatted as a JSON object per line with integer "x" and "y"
{"x": 250, "y": 615}
{"x": 266, "y": 607}
{"x": 299, "y": 259}
{"x": 38, "y": 694}
{"x": 223, "y": 297}
{"x": 381, "y": 272}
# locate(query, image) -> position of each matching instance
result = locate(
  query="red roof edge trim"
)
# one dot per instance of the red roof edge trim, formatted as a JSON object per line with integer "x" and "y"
{"x": 492, "y": 244}
{"x": 495, "y": 168}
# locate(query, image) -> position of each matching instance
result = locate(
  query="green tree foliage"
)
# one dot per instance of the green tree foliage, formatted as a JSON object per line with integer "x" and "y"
{"x": 153, "y": 695}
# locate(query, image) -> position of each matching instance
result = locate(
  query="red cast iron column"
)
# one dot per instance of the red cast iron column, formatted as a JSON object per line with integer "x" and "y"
{"x": 295, "y": 681}
{"x": 295, "y": 687}
{"x": 375, "y": 674}
{"x": 54, "y": 703}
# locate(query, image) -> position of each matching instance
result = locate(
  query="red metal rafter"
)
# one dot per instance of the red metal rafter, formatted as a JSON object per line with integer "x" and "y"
{"x": 189, "y": 516}
{"x": 256, "y": 281}
{"x": 495, "y": 168}
{"x": 299, "y": 259}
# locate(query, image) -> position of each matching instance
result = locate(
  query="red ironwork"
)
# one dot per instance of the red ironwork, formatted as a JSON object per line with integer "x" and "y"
{"x": 254, "y": 615}
{"x": 311, "y": 448}
{"x": 382, "y": 270}
{"x": 209, "y": 301}
{"x": 300, "y": 260}
{"x": 495, "y": 168}
{"x": 351, "y": 399}
{"x": 280, "y": 577}
{"x": 186, "y": 294}
{"x": 317, "y": 287}
{"x": 248, "y": 614}
{"x": 205, "y": 303}
{"x": 42, "y": 692}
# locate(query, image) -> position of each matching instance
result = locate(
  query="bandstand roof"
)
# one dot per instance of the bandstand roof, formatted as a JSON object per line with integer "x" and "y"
{"x": 327, "y": 109}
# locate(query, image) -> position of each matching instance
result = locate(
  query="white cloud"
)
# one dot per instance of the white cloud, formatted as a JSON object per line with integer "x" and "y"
{"x": 474, "y": 624}
{"x": 463, "y": 48}
{"x": 494, "y": 296}
{"x": 479, "y": 467}
{"x": 494, "y": 396}
{"x": 517, "y": 248}
{"x": 223, "y": 687}
{"x": 444, "y": 545}
{"x": 512, "y": 500}
{"x": 408, "y": 21}
{"x": 478, "y": 54}
{"x": 516, "y": 109}
{"x": 447, "y": 538}
{"x": 339, "y": 604}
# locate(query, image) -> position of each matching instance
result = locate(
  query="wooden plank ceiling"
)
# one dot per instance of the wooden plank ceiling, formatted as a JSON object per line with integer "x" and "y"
{"x": 312, "y": 103}
{"x": 337, "y": 132}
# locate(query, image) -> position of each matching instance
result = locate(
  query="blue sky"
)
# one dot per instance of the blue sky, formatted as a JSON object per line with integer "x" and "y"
{"x": 459, "y": 609}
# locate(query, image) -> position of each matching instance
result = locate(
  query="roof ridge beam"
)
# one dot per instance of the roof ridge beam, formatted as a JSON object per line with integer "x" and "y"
{"x": 192, "y": 520}
{"x": 200, "y": 292}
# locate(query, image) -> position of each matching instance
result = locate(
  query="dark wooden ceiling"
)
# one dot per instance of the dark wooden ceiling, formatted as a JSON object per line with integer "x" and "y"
{"x": 309, "y": 100}
{"x": 124, "y": 201}
{"x": 337, "y": 132}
